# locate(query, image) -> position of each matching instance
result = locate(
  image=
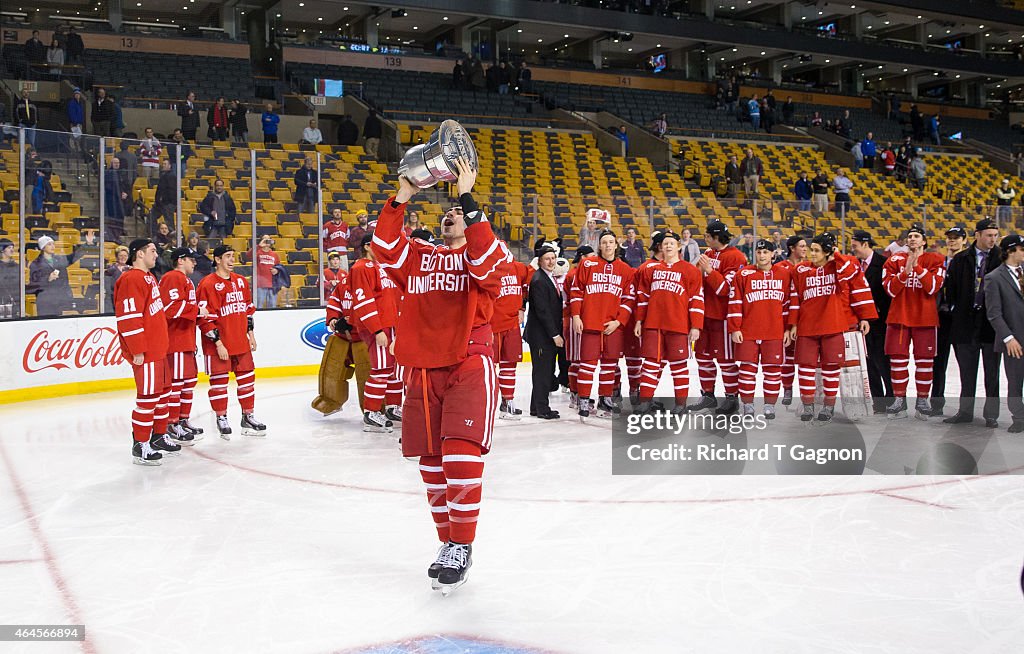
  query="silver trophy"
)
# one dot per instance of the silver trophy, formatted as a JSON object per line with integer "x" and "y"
{"x": 434, "y": 161}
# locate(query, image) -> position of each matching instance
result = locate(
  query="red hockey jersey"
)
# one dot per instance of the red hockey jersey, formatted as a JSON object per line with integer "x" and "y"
{"x": 374, "y": 297}
{"x": 567, "y": 284}
{"x": 724, "y": 264}
{"x": 759, "y": 302}
{"x": 229, "y": 302}
{"x": 339, "y": 304}
{"x": 858, "y": 292}
{"x": 633, "y": 290}
{"x": 819, "y": 304}
{"x": 670, "y": 297}
{"x": 448, "y": 292}
{"x": 141, "y": 325}
{"x": 336, "y": 237}
{"x": 515, "y": 288}
{"x": 182, "y": 309}
{"x": 913, "y": 291}
{"x": 601, "y": 292}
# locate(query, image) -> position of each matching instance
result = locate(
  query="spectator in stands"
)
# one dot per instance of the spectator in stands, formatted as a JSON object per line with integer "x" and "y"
{"x": 266, "y": 269}
{"x": 767, "y": 115}
{"x": 894, "y": 108}
{"x": 27, "y": 115}
{"x": 311, "y": 135}
{"x": 164, "y": 237}
{"x": 114, "y": 197}
{"x": 847, "y": 129}
{"x": 111, "y": 274}
{"x": 361, "y": 229}
{"x": 842, "y": 185}
{"x": 372, "y": 130}
{"x": 590, "y": 233}
{"x": 909, "y": 146}
{"x": 477, "y": 77}
{"x": 7, "y": 130}
{"x": 217, "y": 121}
{"x": 41, "y": 191}
{"x": 888, "y": 160}
{"x": 270, "y": 121}
{"x": 458, "y": 75}
{"x": 102, "y": 113}
{"x": 55, "y": 57}
{"x": 918, "y": 172}
{"x": 333, "y": 272}
{"x": 1019, "y": 160}
{"x": 623, "y": 136}
{"x": 816, "y": 120}
{"x": 745, "y": 244}
{"x": 504, "y": 78}
{"x": 189, "y": 113}
{"x": 238, "y": 118}
{"x": 659, "y": 127}
{"x": 348, "y": 131}
{"x": 916, "y": 123}
{"x": 336, "y": 235}
{"x": 10, "y": 281}
{"x": 219, "y": 209}
{"x": 899, "y": 245}
{"x": 754, "y": 112}
{"x": 491, "y": 76}
{"x": 165, "y": 202}
{"x": 902, "y": 164}
{"x": 412, "y": 221}
{"x": 1004, "y": 198}
{"x": 524, "y": 79}
{"x": 632, "y": 249}
{"x": 858, "y": 156}
{"x": 183, "y": 150}
{"x": 129, "y": 163}
{"x": 933, "y": 129}
{"x": 35, "y": 50}
{"x": 204, "y": 265}
{"x": 76, "y": 118}
{"x": 306, "y": 186}
{"x": 752, "y": 171}
{"x": 819, "y": 185}
{"x": 804, "y": 192}
{"x": 149, "y": 151}
{"x": 733, "y": 177}
{"x": 789, "y": 112}
{"x": 688, "y": 249}
{"x": 74, "y": 46}
{"x": 48, "y": 279}
{"x": 869, "y": 149}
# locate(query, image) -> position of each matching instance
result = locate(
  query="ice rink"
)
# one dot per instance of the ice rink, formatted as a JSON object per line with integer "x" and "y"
{"x": 317, "y": 538}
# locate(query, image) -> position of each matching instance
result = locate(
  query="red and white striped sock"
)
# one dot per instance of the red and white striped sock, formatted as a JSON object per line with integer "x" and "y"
{"x": 610, "y": 378}
{"x": 219, "y": 393}
{"x": 463, "y": 470}
{"x": 730, "y": 377}
{"x": 923, "y": 375}
{"x": 432, "y": 473}
{"x": 574, "y": 375}
{"x": 650, "y": 373}
{"x": 680, "y": 380}
{"x": 187, "y": 391}
{"x": 747, "y": 381}
{"x": 708, "y": 372}
{"x": 830, "y": 382}
{"x": 805, "y": 378}
{"x": 395, "y": 387}
{"x": 772, "y": 382}
{"x": 788, "y": 374}
{"x": 507, "y": 379}
{"x": 160, "y": 413}
{"x": 634, "y": 370}
{"x": 246, "y": 390}
{"x": 174, "y": 401}
{"x": 900, "y": 370}
{"x": 142, "y": 416}
{"x": 585, "y": 379}
{"x": 375, "y": 389}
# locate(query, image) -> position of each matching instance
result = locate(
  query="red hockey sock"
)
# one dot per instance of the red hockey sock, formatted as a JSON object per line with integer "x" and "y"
{"x": 610, "y": 378}
{"x": 788, "y": 374}
{"x": 585, "y": 379}
{"x": 246, "y": 390}
{"x": 574, "y": 374}
{"x": 680, "y": 380}
{"x": 634, "y": 371}
{"x": 707, "y": 371}
{"x": 219, "y": 393}
{"x": 160, "y": 413}
{"x": 187, "y": 391}
{"x": 771, "y": 384}
{"x": 463, "y": 469}
{"x": 830, "y": 382}
{"x": 174, "y": 401}
{"x": 649, "y": 375}
{"x": 375, "y": 389}
{"x": 437, "y": 493}
{"x": 900, "y": 370}
{"x": 805, "y": 376}
{"x": 507, "y": 379}
{"x": 394, "y": 394}
{"x": 142, "y": 416}
{"x": 923, "y": 376}
{"x": 747, "y": 381}
{"x": 730, "y": 377}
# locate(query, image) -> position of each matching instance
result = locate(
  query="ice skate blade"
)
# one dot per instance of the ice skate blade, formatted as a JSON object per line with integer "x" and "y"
{"x": 446, "y": 589}
{"x": 921, "y": 416}
{"x": 166, "y": 453}
{"x": 184, "y": 443}
{"x": 509, "y": 416}
{"x": 900, "y": 415}
{"x": 378, "y": 430}
{"x": 142, "y": 462}
{"x": 254, "y": 433}
{"x": 226, "y": 435}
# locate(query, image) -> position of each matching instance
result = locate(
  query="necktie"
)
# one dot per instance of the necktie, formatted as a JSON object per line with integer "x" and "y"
{"x": 979, "y": 280}
{"x": 1020, "y": 279}
{"x": 864, "y": 265}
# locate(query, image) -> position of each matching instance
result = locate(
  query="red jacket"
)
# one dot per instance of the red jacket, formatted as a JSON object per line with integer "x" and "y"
{"x": 374, "y": 297}
{"x": 141, "y": 325}
{"x": 182, "y": 309}
{"x": 229, "y": 302}
{"x": 724, "y": 264}
{"x": 601, "y": 292}
{"x": 913, "y": 291}
{"x": 515, "y": 288}
{"x": 670, "y": 297}
{"x": 760, "y": 301}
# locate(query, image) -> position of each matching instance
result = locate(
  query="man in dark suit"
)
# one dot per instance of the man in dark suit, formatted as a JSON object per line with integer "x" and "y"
{"x": 871, "y": 263}
{"x": 956, "y": 241}
{"x": 969, "y": 330}
{"x": 544, "y": 332}
{"x": 1004, "y": 306}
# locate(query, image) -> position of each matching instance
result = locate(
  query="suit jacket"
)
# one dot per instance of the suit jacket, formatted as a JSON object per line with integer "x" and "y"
{"x": 873, "y": 274}
{"x": 967, "y": 325}
{"x": 302, "y": 176}
{"x": 1004, "y": 306}
{"x": 544, "y": 319}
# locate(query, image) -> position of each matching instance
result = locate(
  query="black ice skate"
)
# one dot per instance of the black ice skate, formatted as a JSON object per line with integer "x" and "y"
{"x": 180, "y": 435}
{"x": 806, "y": 412}
{"x": 787, "y": 397}
{"x": 729, "y": 406}
{"x": 375, "y": 422}
{"x": 707, "y": 401}
{"x": 435, "y": 568}
{"x": 189, "y": 426}
{"x": 574, "y": 401}
{"x": 509, "y": 411}
{"x": 252, "y": 427}
{"x": 164, "y": 445}
{"x": 224, "y": 427}
{"x": 393, "y": 413}
{"x": 607, "y": 409}
{"x": 143, "y": 454}
{"x": 922, "y": 409}
{"x": 825, "y": 415}
{"x": 897, "y": 410}
{"x": 584, "y": 408}
{"x": 769, "y": 412}
{"x": 458, "y": 559}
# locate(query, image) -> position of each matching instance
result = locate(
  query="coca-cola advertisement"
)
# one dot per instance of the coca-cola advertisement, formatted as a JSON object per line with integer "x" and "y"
{"x": 98, "y": 348}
